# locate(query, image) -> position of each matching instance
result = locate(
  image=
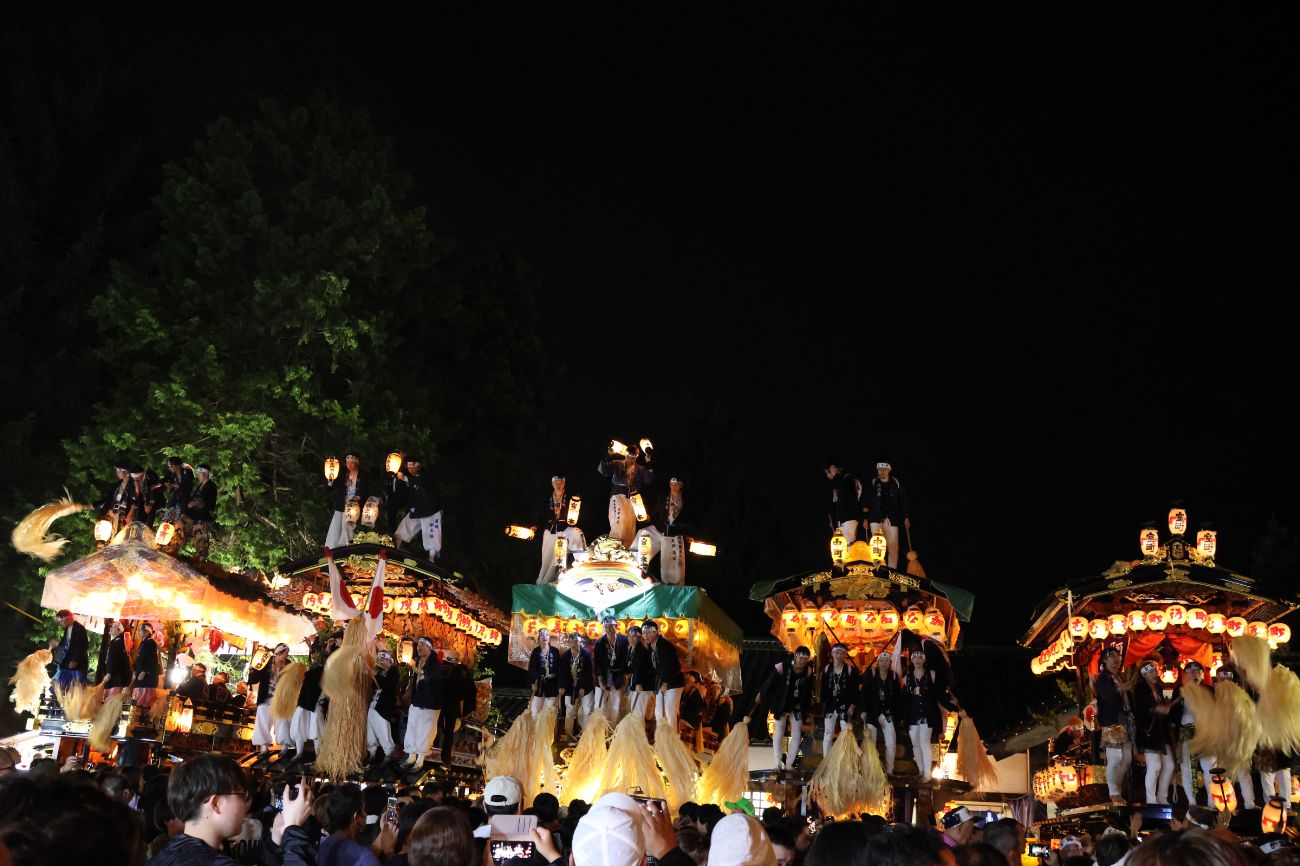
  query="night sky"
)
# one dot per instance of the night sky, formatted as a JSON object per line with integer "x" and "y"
{"x": 1043, "y": 265}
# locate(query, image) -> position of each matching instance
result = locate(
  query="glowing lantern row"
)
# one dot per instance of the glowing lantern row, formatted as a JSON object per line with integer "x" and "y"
{"x": 1081, "y": 628}
{"x": 321, "y": 603}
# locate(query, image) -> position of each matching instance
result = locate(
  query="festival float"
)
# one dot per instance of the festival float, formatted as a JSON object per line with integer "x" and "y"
{"x": 863, "y": 604}
{"x": 1174, "y": 605}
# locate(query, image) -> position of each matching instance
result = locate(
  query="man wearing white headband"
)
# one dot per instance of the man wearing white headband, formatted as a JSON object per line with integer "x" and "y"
{"x": 610, "y": 663}
{"x": 350, "y": 484}
{"x": 628, "y": 475}
{"x": 666, "y": 533}
{"x": 265, "y": 728}
{"x": 1151, "y": 717}
{"x": 1193, "y": 678}
{"x": 201, "y": 511}
{"x": 576, "y": 683}
{"x": 840, "y": 690}
{"x": 880, "y": 699}
{"x": 383, "y": 706}
{"x": 1115, "y": 716}
{"x": 787, "y": 694}
{"x": 423, "y": 508}
{"x": 543, "y": 673}
{"x": 426, "y": 703}
{"x": 555, "y": 523}
{"x": 887, "y": 509}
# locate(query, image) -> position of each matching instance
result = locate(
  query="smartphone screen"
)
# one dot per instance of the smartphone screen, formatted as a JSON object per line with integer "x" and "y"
{"x": 511, "y": 851}
{"x": 391, "y": 814}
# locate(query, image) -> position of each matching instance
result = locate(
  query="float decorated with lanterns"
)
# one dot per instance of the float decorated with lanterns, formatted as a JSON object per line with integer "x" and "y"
{"x": 1172, "y": 606}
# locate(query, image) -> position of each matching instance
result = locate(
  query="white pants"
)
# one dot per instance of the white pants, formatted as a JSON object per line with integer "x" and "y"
{"x": 622, "y": 519}
{"x": 610, "y": 700}
{"x": 580, "y": 712}
{"x": 1118, "y": 760}
{"x": 794, "y": 723}
{"x": 303, "y": 728}
{"x": 536, "y": 704}
{"x": 641, "y": 703}
{"x": 574, "y": 539}
{"x": 1185, "y": 768}
{"x": 891, "y": 741}
{"x": 1247, "y": 786}
{"x": 379, "y": 732}
{"x": 666, "y": 708}
{"x": 340, "y": 532}
{"x": 891, "y": 537}
{"x": 850, "y": 530}
{"x": 1275, "y": 784}
{"x": 1160, "y": 770}
{"x": 672, "y": 568}
{"x": 421, "y": 725}
{"x": 265, "y": 728}
{"x": 921, "y": 753}
{"x": 828, "y": 736}
{"x": 430, "y": 529}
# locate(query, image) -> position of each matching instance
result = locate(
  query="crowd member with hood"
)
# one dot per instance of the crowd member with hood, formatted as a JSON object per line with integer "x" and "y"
{"x": 787, "y": 694}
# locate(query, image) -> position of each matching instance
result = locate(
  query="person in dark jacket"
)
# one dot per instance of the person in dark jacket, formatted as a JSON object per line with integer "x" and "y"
{"x": 210, "y": 794}
{"x": 1151, "y": 726}
{"x": 305, "y": 725}
{"x": 423, "y": 510}
{"x": 201, "y": 512}
{"x": 669, "y": 680}
{"x": 845, "y": 510}
{"x": 195, "y": 686}
{"x": 640, "y": 672}
{"x": 543, "y": 673}
{"x": 577, "y": 682}
{"x": 266, "y": 728}
{"x": 694, "y": 706}
{"x": 351, "y": 484}
{"x": 426, "y": 703}
{"x": 787, "y": 694}
{"x": 609, "y": 664}
{"x": 554, "y": 521}
{"x": 117, "y": 663}
{"x": 383, "y": 706}
{"x": 1115, "y": 718}
{"x": 840, "y": 695}
{"x": 178, "y": 482}
{"x": 887, "y": 509}
{"x": 459, "y": 699}
{"x": 666, "y": 535}
{"x": 120, "y": 503}
{"x": 880, "y": 701}
{"x": 720, "y": 708}
{"x": 72, "y": 654}
{"x": 923, "y": 694}
{"x": 628, "y": 474}
{"x": 145, "y": 681}
{"x": 219, "y": 688}
{"x": 149, "y": 490}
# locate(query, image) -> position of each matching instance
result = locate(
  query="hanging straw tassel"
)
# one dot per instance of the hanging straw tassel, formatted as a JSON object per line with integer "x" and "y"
{"x": 582, "y": 777}
{"x": 287, "y": 689}
{"x": 105, "y": 723}
{"x": 913, "y": 561}
{"x": 1279, "y": 711}
{"x": 543, "y": 778}
{"x": 29, "y": 535}
{"x": 29, "y": 682}
{"x": 837, "y": 785}
{"x": 1250, "y": 655}
{"x": 875, "y": 787}
{"x": 346, "y": 682}
{"x": 1201, "y": 701}
{"x": 973, "y": 761}
{"x": 1237, "y": 727}
{"x": 631, "y": 762}
{"x": 679, "y": 768}
{"x": 511, "y": 755}
{"x": 80, "y": 702}
{"x": 727, "y": 775}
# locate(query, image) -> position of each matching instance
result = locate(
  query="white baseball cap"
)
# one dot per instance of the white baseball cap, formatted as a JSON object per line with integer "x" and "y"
{"x": 502, "y": 791}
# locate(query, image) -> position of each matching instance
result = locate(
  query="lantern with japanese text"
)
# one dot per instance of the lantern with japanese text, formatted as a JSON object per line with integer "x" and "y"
{"x": 830, "y": 616}
{"x": 1098, "y": 629}
{"x": 1207, "y": 543}
{"x": 1177, "y": 520}
{"x": 1196, "y": 617}
{"x": 310, "y": 600}
{"x": 1216, "y": 623}
{"x": 1222, "y": 795}
{"x": 1149, "y": 541}
{"x": 402, "y": 605}
{"x": 1117, "y": 623}
{"x": 838, "y": 547}
{"x": 1137, "y": 620}
{"x": 370, "y": 512}
{"x": 532, "y": 625}
{"x": 638, "y": 508}
{"x": 1176, "y": 614}
{"x": 850, "y": 621}
{"x": 870, "y": 623}
{"x": 935, "y": 623}
{"x": 575, "y": 508}
{"x": 808, "y": 616}
{"x": 879, "y": 547}
{"x": 523, "y": 533}
{"x": 1236, "y": 626}
{"x": 888, "y": 620}
{"x": 790, "y": 618}
{"x": 1273, "y": 818}
{"x": 331, "y": 468}
{"x": 166, "y": 532}
{"x": 418, "y": 607}
{"x": 1157, "y": 620}
{"x": 1279, "y": 632}
{"x": 324, "y": 602}
{"x": 406, "y": 651}
{"x": 352, "y": 511}
{"x": 914, "y": 619}
{"x": 1257, "y": 629}
{"x": 1078, "y": 627}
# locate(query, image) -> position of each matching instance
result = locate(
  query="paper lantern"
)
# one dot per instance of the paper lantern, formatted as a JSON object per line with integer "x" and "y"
{"x": 839, "y": 544}
{"x": 1196, "y": 617}
{"x": 1036, "y": 666}
{"x": 418, "y": 607}
{"x": 888, "y": 620}
{"x": 1117, "y": 623}
{"x": 370, "y": 512}
{"x": 879, "y": 547}
{"x": 702, "y": 548}
{"x": 103, "y": 530}
{"x": 358, "y": 600}
{"x": 494, "y": 636}
{"x": 1069, "y": 779}
{"x": 1216, "y": 662}
{"x": 180, "y": 717}
{"x": 1216, "y": 623}
{"x": 1273, "y": 818}
{"x": 1137, "y": 620}
{"x": 645, "y": 547}
{"x": 1157, "y": 620}
{"x": 1222, "y": 795}
{"x": 830, "y": 616}
{"x": 406, "y": 651}
{"x": 1149, "y": 541}
{"x": 681, "y": 627}
{"x": 1169, "y": 676}
{"x": 1257, "y": 629}
{"x": 617, "y": 447}
{"x": 1207, "y": 543}
{"x": 324, "y": 602}
{"x": 310, "y": 600}
{"x": 1236, "y": 626}
{"x": 393, "y": 462}
{"x": 166, "y": 532}
{"x": 594, "y": 631}
{"x": 1177, "y": 520}
{"x": 1098, "y": 629}
{"x": 790, "y": 618}
{"x": 870, "y": 622}
{"x": 331, "y": 468}
{"x": 352, "y": 512}
{"x": 849, "y": 620}
{"x": 387, "y": 605}
{"x": 914, "y": 619}
{"x": 1176, "y": 614}
{"x": 402, "y": 605}
{"x": 560, "y": 552}
{"x": 1279, "y": 632}
{"x": 575, "y": 508}
{"x": 808, "y": 617}
{"x": 935, "y": 623}
{"x": 638, "y": 508}
{"x": 1078, "y": 627}
{"x": 531, "y": 626}
{"x": 523, "y": 533}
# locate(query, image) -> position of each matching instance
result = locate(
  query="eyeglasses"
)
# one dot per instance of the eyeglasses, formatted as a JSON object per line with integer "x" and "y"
{"x": 247, "y": 796}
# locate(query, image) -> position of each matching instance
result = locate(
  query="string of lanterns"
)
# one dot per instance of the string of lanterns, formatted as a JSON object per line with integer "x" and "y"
{"x": 415, "y": 606}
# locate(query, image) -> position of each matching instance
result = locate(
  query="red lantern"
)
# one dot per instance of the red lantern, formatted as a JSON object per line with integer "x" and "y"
{"x": 215, "y": 640}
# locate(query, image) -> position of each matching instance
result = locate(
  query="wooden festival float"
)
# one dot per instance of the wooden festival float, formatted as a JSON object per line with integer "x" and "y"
{"x": 1175, "y": 604}
{"x": 189, "y": 602}
{"x": 864, "y": 604}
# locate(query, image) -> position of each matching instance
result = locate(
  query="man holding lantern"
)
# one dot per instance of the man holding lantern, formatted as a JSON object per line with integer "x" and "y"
{"x": 560, "y": 509}
{"x": 629, "y": 472}
{"x": 423, "y": 509}
{"x": 349, "y": 485}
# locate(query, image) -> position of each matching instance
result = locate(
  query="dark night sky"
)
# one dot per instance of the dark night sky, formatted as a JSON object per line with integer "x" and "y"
{"x": 1044, "y": 265}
